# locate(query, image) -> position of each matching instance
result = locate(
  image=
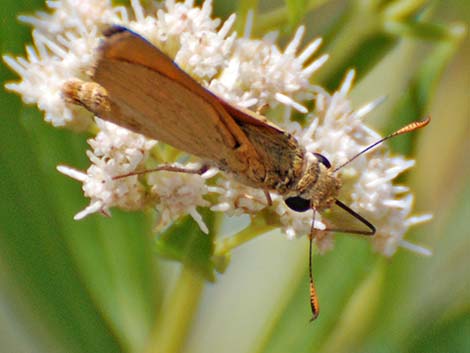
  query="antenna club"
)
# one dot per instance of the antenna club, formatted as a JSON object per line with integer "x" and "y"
{"x": 412, "y": 126}
{"x": 408, "y": 128}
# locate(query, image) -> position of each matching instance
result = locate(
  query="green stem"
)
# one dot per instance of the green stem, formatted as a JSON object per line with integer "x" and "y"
{"x": 426, "y": 31}
{"x": 278, "y": 17}
{"x": 257, "y": 227}
{"x": 171, "y": 329}
{"x": 401, "y": 9}
{"x": 361, "y": 21}
{"x": 353, "y": 325}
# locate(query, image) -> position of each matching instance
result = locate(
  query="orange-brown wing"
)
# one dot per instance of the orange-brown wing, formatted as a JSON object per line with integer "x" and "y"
{"x": 151, "y": 95}
{"x": 153, "y": 105}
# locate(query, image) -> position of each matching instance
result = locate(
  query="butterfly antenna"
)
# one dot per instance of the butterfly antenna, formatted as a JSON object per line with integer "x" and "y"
{"x": 313, "y": 293}
{"x": 408, "y": 128}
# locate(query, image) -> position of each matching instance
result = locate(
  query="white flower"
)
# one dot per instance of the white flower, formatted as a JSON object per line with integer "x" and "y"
{"x": 116, "y": 151}
{"x": 258, "y": 73}
{"x": 50, "y": 64}
{"x": 64, "y": 45}
{"x": 183, "y": 17}
{"x": 204, "y": 53}
{"x": 179, "y": 194}
{"x": 338, "y": 133}
{"x": 73, "y": 15}
{"x": 236, "y": 198}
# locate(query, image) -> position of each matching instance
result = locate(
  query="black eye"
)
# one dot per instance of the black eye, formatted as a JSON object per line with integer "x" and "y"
{"x": 298, "y": 204}
{"x": 323, "y": 160}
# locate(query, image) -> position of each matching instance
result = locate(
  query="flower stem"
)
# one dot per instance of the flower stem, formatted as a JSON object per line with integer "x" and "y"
{"x": 360, "y": 21}
{"x": 279, "y": 16}
{"x": 171, "y": 329}
{"x": 354, "y": 324}
{"x": 257, "y": 227}
{"x": 403, "y": 8}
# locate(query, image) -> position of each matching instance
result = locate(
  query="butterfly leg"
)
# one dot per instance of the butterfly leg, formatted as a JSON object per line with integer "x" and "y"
{"x": 268, "y": 198}
{"x": 166, "y": 168}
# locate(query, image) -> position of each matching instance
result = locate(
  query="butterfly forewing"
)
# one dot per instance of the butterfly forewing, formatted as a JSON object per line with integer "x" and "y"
{"x": 151, "y": 95}
{"x": 167, "y": 112}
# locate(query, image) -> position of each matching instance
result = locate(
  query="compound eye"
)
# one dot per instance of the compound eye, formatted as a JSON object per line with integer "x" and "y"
{"x": 323, "y": 160}
{"x": 298, "y": 204}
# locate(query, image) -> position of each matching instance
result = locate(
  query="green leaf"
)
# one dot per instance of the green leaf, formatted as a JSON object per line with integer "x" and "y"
{"x": 449, "y": 336}
{"x": 49, "y": 304}
{"x": 91, "y": 283}
{"x": 355, "y": 40}
{"x": 425, "y": 31}
{"x": 363, "y": 35}
{"x": 428, "y": 296}
{"x": 185, "y": 242}
{"x": 36, "y": 256}
{"x": 113, "y": 255}
{"x": 292, "y": 331}
{"x": 355, "y": 321}
{"x": 415, "y": 101}
{"x": 367, "y": 53}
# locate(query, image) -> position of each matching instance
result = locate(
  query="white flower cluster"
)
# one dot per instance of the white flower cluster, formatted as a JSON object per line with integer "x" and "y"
{"x": 249, "y": 73}
{"x": 115, "y": 151}
{"x": 259, "y": 74}
{"x": 337, "y": 131}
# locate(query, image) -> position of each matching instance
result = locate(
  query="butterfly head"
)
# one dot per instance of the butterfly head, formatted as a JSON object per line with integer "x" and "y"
{"x": 318, "y": 188}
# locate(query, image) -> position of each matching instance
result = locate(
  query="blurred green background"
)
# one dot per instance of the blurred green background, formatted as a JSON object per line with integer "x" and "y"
{"x": 97, "y": 285}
